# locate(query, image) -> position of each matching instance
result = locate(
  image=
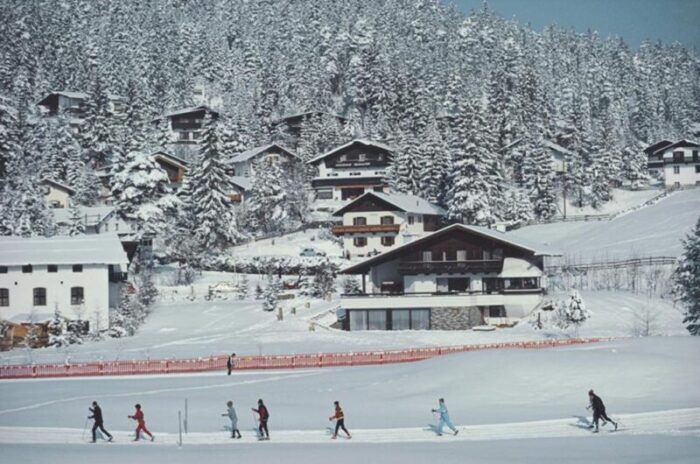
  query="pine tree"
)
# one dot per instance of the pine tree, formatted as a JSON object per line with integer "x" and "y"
{"x": 324, "y": 279}
{"x": 687, "y": 280}
{"x": 56, "y": 329}
{"x": 538, "y": 180}
{"x": 573, "y": 312}
{"x": 77, "y": 225}
{"x": 270, "y": 295}
{"x": 266, "y": 206}
{"x": 208, "y": 190}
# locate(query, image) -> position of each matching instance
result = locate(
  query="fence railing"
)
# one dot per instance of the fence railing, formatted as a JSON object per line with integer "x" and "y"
{"x": 625, "y": 263}
{"x": 175, "y": 366}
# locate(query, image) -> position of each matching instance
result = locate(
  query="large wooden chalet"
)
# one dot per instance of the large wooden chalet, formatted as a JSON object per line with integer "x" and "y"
{"x": 185, "y": 129}
{"x": 348, "y": 171}
{"x": 678, "y": 164}
{"x": 453, "y": 279}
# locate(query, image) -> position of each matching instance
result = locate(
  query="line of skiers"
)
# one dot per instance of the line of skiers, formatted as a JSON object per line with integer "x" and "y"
{"x": 338, "y": 416}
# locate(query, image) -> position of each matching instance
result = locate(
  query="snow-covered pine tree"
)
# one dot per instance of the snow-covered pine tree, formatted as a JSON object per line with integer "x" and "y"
{"x": 266, "y": 205}
{"x": 538, "y": 180}
{"x": 208, "y": 189}
{"x": 241, "y": 287}
{"x": 271, "y": 294}
{"x": 687, "y": 280}
{"x": 258, "y": 292}
{"x": 324, "y": 279}
{"x": 77, "y": 224}
{"x": 96, "y": 136}
{"x": 435, "y": 165}
{"x": 573, "y": 312}
{"x": 56, "y": 328}
{"x": 351, "y": 286}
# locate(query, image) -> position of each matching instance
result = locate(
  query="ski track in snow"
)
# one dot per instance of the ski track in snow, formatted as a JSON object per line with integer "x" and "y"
{"x": 677, "y": 422}
{"x": 162, "y": 390}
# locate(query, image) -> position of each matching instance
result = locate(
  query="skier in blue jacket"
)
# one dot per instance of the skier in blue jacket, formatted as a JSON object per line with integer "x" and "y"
{"x": 444, "y": 418}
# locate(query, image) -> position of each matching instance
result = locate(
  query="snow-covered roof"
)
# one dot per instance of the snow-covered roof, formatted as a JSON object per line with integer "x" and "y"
{"x": 680, "y": 143}
{"x": 253, "y": 152}
{"x": 535, "y": 249}
{"x": 367, "y": 143}
{"x": 79, "y": 95}
{"x": 192, "y": 109}
{"x": 556, "y": 147}
{"x": 83, "y": 249}
{"x": 306, "y": 113}
{"x": 408, "y": 203}
{"x": 660, "y": 145}
{"x": 58, "y": 185}
{"x": 241, "y": 182}
{"x": 170, "y": 158}
{"x": 91, "y": 215}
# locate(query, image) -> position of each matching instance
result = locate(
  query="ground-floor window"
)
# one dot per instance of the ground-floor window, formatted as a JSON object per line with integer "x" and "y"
{"x": 359, "y": 242}
{"x": 4, "y": 297}
{"x": 77, "y": 295}
{"x": 497, "y": 311}
{"x": 389, "y": 319}
{"x": 387, "y": 241}
{"x": 39, "y": 296}
{"x": 325, "y": 194}
{"x": 353, "y": 192}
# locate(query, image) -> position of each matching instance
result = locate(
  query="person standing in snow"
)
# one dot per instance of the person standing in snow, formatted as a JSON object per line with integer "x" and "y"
{"x": 444, "y": 418}
{"x": 99, "y": 424}
{"x": 229, "y": 363}
{"x": 231, "y": 413}
{"x": 339, "y": 418}
{"x": 263, "y": 416}
{"x": 139, "y": 418}
{"x": 598, "y": 411}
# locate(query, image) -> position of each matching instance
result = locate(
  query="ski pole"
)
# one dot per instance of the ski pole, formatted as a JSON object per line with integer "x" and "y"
{"x": 84, "y": 430}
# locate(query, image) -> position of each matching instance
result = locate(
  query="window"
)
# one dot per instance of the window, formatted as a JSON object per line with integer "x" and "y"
{"x": 497, "y": 311}
{"x": 378, "y": 189}
{"x": 427, "y": 256}
{"x": 376, "y": 320}
{"x": 677, "y": 185}
{"x": 401, "y": 319}
{"x": 387, "y": 241}
{"x": 27, "y": 269}
{"x": 358, "y": 320}
{"x": 676, "y": 169}
{"x": 697, "y": 169}
{"x": 461, "y": 255}
{"x": 40, "y": 296}
{"x": 52, "y": 268}
{"x": 458, "y": 284}
{"x": 387, "y": 220}
{"x": 77, "y": 268}
{"x": 106, "y": 226}
{"x": 359, "y": 221}
{"x": 359, "y": 242}
{"x": 4, "y": 297}
{"x": 411, "y": 219}
{"x": 324, "y": 194}
{"x": 77, "y": 295}
{"x": 695, "y": 156}
{"x": 183, "y": 136}
{"x": 420, "y": 319}
{"x": 3, "y": 269}
{"x": 116, "y": 226}
{"x": 677, "y": 156}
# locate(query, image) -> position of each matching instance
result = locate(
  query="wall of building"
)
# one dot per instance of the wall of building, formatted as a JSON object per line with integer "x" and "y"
{"x": 95, "y": 282}
{"x": 57, "y": 195}
{"x": 688, "y": 175}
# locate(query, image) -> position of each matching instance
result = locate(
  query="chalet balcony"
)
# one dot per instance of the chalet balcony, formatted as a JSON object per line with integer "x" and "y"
{"x": 368, "y": 228}
{"x": 450, "y": 267}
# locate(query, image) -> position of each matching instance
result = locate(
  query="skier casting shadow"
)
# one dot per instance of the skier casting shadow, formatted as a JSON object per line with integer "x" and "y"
{"x": 444, "y": 418}
{"x": 99, "y": 424}
{"x": 139, "y": 418}
{"x": 598, "y": 411}
{"x": 263, "y": 416}
{"x": 339, "y": 418}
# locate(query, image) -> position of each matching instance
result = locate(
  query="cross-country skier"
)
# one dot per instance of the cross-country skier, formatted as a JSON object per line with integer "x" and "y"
{"x": 99, "y": 424}
{"x": 138, "y": 417}
{"x": 339, "y": 418}
{"x": 231, "y": 413}
{"x": 598, "y": 411}
{"x": 444, "y": 418}
{"x": 263, "y": 416}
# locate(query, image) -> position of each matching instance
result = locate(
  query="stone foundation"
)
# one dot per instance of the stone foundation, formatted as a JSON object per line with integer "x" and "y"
{"x": 455, "y": 318}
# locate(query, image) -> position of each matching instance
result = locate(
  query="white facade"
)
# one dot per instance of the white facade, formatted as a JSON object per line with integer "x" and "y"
{"x": 681, "y": 167}
{"x": 80, "y": 276}
{"x": 57, "y": 195}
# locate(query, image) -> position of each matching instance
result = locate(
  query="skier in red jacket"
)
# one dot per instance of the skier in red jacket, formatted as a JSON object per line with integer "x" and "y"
{"x": 339, "y": 418}
{"x": 138, "y": 417}
{"x": 264, "y": 416}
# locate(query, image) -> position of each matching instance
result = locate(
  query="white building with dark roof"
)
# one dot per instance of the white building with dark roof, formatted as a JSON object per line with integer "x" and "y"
{"x": 348, "y": 171}
{"x": 678, "y": 163}
{"x": 242, "y": 164}
{"x": 377, "y": 221}
{"x": 453, "y": 279}
{"x": 81, "y": 276}
{"x": 57, "y": 194}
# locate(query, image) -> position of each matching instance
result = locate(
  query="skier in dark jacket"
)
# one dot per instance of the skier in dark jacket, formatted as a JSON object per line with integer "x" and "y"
{"x": 598, "y": 411}
{"x": 263, "y": 415}
{"x": 99, "y": 423}
{"x": 229, "y": 363}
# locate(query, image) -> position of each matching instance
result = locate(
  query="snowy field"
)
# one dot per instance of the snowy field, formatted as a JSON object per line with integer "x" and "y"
{"x": 529, "y": 409}
{"x": 622, "y": 200}
{"x": 654, "y": 230}
{"x": 289, "y": 245}
{"x": 190, "y": 329}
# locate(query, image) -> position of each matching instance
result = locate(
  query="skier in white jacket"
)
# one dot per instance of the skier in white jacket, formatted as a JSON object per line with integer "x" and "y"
{"x": 231, "y": 413}
{"x": 444, "y": 418}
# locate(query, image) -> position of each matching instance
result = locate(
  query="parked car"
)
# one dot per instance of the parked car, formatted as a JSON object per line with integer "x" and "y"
{"x": 311, "y": 252}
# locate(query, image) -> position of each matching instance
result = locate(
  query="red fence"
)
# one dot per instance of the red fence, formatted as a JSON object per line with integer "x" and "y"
{"x": 172, "y": 366}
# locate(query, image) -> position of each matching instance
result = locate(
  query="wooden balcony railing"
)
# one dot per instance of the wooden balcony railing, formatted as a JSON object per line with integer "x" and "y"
{"x": 340, "y": 230}
{"x": 450, "y": 267}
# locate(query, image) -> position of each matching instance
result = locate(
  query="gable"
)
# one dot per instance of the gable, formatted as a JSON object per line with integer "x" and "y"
{"x": 367, "y": 203}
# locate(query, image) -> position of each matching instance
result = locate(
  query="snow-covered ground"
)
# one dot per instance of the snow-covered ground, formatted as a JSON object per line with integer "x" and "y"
{"x": 289, "y": 245}
{"x": 654, "y": 230}
{"x": 185, "y": 329}
{"x": 512, "y": 405}
{"x": 622, "y": 200}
